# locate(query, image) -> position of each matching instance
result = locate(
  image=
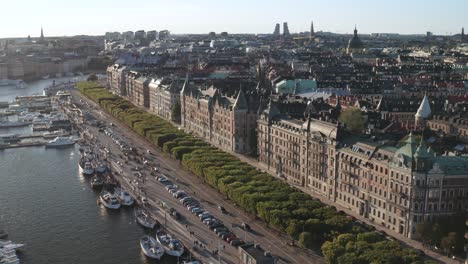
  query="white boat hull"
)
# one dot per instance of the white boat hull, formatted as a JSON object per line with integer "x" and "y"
{"x": 170, "y": 251}
{"x": 87, "y": 172}
{"x": 108, "y": 205}
{"x": 151, "y": 248}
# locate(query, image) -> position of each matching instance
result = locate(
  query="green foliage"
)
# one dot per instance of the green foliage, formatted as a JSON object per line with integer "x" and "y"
{"x": 306, "y": 240}
{"x": 367, "y": 248}
{"x": 92, "y": 78}
{"x": 175, "y": 111}
{"x": 353, "y": 119}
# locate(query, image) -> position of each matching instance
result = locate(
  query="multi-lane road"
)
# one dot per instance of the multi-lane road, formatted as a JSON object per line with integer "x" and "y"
{"x": 189, "y": 228}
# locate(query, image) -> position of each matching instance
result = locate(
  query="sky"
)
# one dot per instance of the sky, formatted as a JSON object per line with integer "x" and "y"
{"x": 21, "y": 18}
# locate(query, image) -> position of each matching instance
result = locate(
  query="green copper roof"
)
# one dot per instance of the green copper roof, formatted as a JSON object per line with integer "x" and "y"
{"x": 422, "y": 152}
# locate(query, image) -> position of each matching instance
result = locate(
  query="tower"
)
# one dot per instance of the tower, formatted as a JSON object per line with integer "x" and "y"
{"x": 463, "y": 35}
{"x": 277, "y": 30}
{"x": 355, "y": 44}
{"x": 42, "y": 35}
{"x": 423, "y": 113}
{"x": 312, "y": 32}
{"x": 285, "y": 29}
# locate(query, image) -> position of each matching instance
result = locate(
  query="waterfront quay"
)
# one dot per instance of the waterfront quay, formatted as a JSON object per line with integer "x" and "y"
{"x": 197, "y": 237}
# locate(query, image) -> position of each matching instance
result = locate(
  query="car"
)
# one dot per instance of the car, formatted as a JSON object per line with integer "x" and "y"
{"x": 246, "y": 227}
{"x": 215, "y": 225}
{"x": 222, "y": 209}
{"x": 197, "y": 210}
{"x": 162, "y": 179}
{"x": 186, "y": 198}
{"x": 236, "y": 243}
{"x": 222, "y": 233}
{"x": 175, "y": 214}
{"x": 172, "y": 191}
{"x": 209, "y": 221}
{"x": 221, "y": 230}
{"x": 194, "y": 208}
{"x": 226, "y": 236}
{"x": 190, "y": 207}
{"x": 205, "y": 217}
{"x": 168, "y": 187}
{"x": 179, "y": 194}
{"x": 148, "y": 151}
{"x": 190, "y": 202}
{"x": 230, "y": 238}
{"x": 203, "y": 214}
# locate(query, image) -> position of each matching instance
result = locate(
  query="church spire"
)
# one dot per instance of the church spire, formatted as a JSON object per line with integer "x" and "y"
{"x": 42, "y": 34}
{"x": 312, "y": 32}
{"x": 355, "y": 30}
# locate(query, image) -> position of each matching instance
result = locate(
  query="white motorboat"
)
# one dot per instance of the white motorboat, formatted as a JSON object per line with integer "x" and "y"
{"x": 86, "y": 168}
{"x": 144, "y": 219}
{"x": 109, "y": 200}
{"x": 60, "y": 142}
{"x": 151, "y": 248}
{"x": 124, "y": 197}
{"x": 173, "y": 247}
{"x": 101, "y": 167}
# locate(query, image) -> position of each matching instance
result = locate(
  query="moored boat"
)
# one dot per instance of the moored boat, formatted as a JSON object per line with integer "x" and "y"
{"x": 124, "y": 197}
{"x": 101, "y": 167}
{"x": 144, "y": 219}
{"x": 86, "y": 168}
{"x": 60, "y": 142}
{"x": 97, "y": 181}
{"x": 109, "y": 200}
{"x": 173, "y": 247}
{"x": 151, "y": 248}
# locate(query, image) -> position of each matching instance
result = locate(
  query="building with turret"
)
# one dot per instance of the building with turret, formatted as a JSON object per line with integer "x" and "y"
{"x": 355, "y": 44}
{"x": 227, "y": 122}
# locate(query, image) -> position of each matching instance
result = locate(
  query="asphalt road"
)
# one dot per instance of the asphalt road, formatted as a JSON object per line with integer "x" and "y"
{"x": 190, "y": 228}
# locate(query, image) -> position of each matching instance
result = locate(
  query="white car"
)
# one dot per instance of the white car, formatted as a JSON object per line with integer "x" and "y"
{"x": 162, "y": 179}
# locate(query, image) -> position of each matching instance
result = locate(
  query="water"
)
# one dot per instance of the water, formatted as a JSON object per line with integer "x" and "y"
{"x": 46, "y": 204}
{"x": 8, "y": 93}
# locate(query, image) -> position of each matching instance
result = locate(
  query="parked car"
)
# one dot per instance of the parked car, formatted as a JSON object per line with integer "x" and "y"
{"x": 236, "y": 243}
{"x": 246, "y": 227}
{"x": 162, "y": 179}
{"x": 197, "y": 210}
{"x": 222, "y": 209}
{"x": 230, "y": 238}
{"x": 215, "y": 225}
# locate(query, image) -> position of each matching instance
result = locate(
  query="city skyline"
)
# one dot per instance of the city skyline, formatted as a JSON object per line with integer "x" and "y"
{"x": 182, "y": 17}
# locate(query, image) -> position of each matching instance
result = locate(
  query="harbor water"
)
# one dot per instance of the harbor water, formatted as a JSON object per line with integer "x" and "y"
{"x": 47, "y": 204}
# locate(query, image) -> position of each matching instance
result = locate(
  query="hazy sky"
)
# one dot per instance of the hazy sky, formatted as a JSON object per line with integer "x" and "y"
{"x": 63, "y": 17}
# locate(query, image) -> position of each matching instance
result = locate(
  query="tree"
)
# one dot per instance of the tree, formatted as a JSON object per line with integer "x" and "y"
{"x": 294, "y": 228}
{"x": 92, "y": 78}
{"x": 175, "y": 111}
{"x": 306, "y": 240}
{"x": 353, "y": 119}
{"x": 423, "y": 230}
{"x": 448, "y": 243}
